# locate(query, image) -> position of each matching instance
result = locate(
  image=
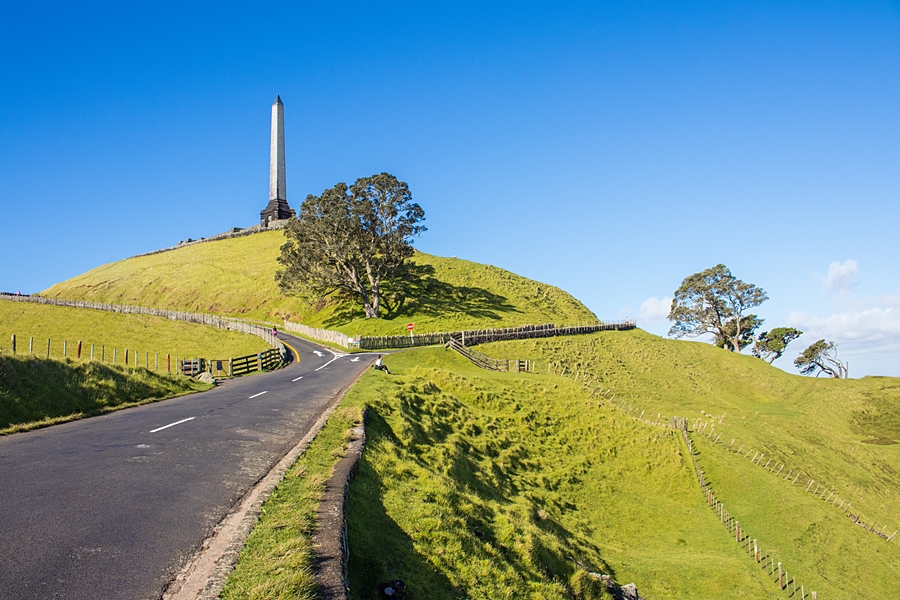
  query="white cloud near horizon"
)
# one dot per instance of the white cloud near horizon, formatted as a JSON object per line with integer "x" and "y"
{"x": 863, "y": 326}
{"x": 868, "y": 331}
{"x": 841, "y": 276}
{"x": 654, "y": 311}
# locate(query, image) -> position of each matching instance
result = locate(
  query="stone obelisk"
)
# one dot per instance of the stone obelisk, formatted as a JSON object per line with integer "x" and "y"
{"x": 278, "y": 208}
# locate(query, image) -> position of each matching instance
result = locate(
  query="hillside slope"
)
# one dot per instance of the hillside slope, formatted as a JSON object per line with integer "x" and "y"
{"x": 139, "y": 333}
{"x": 841, "y": 434}
{"x": 35, "y": 392}
{"x": 235, "y": 277}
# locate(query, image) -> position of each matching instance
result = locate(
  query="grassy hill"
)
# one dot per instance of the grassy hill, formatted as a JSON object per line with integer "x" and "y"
{"x": 490, "y": 485}
{"x": 502, "y": 485}
{"x": 840, "y": 433}
{"x": 35, "y": 392}
{"x": 139, "y": 333}
{"x": 236, "y": 277}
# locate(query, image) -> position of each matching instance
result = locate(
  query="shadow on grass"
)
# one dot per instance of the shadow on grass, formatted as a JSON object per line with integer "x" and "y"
{"x": 420, "y": 293}
{"x": 35, "y": 389}
{"x": 381, "y": 551}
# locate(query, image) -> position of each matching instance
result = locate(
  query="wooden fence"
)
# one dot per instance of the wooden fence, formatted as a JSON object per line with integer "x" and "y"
{"x": 482, "y": 336}
{"x": 129, "y": 357}
{"x": 263, "y": 361}
{"x": 775, "y": 570}
{"x": 266, "y": 360}
{"x": 826, "y": 493}
{"x": 323, "y": 335}
{"x": 216, "y": 321}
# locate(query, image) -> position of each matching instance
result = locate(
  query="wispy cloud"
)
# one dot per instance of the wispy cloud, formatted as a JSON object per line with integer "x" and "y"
{"x": 841, "y": 276}
{"x": 654, "y": 311}
{"x": 862, "y": 326}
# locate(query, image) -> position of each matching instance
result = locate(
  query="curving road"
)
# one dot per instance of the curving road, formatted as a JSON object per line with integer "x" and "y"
{"x": 112, "y": 506}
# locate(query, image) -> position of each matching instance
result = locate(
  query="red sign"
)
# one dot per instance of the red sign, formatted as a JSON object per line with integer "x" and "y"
{"x": 410, "y": 326}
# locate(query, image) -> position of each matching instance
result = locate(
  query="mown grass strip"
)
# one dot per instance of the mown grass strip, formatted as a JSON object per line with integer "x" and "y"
{"x": 276, "y": 561}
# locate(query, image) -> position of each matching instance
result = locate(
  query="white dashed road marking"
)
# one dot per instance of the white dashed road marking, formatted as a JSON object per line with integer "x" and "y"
{"x": 258, "y": 395}
{"x": 298, "y": 379}
{"x": 172, "y": 424}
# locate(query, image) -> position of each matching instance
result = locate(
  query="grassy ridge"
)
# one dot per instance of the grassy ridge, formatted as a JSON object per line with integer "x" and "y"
{"x": 35, "y": 392}
{"x": 236, "y": 277}
{"x": 817, "y": 426}
{"x": 486, "y": 485}
{"x": 140, "y": 333}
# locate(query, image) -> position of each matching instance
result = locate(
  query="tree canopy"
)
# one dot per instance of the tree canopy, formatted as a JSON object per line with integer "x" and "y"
{"x": 770, "y": 345}
{"x": 351, "y": 240}
{"x": 821, "y": 357}
{"x": 714, "y": 301}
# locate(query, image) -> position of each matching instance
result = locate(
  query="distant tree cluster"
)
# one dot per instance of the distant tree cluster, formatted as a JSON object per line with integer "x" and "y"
{"x": 351, "y": 240}
{"x": 716, "y": 302}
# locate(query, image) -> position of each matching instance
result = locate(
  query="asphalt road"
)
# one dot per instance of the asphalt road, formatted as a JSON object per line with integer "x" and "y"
{"x": 110, "y": 507}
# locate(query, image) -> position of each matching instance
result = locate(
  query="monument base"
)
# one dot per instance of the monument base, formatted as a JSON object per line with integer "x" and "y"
{"x": 276, "y": 210}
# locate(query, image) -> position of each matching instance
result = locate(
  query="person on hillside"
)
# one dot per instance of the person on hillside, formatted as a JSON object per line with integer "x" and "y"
{"x": 274, "y": 331}
{"x": 380, "y": 366}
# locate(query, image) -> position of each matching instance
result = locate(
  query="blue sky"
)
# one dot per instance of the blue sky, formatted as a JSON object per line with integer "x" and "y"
{"x": 610, "y": 149}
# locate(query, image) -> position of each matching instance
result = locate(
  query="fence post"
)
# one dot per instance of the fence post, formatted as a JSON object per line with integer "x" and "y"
{"x": 115, "y": 351}
{"x": 65, "y": 347}
{"x": 102, "y": 352}
{"x": 31, "y": 345}
{"x": 78, "y": 350}
{"x": 780, "y": 577}
{"x": 92, "y": 352}
{"x": 14, "y": 343}
{"x": 168, "y": 363}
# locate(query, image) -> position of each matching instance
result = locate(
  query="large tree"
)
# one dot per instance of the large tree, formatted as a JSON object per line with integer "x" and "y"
{"x": 714, "y": 301}
{"x": 821, "y": 357}
{"x": 770, "y": 345}
{"x": 351, "y": 240}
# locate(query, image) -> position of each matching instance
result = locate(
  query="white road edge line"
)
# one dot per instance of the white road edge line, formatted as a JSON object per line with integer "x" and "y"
{"x": 172, "y": 424}
{"x": 298, "y": 379}
{"x": 257, "y": 395}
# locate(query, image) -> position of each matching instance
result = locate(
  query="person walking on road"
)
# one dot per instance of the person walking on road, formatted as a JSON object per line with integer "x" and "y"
{"x": 380, "y": 366}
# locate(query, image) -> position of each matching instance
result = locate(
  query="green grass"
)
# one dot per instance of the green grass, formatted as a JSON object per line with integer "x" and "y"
{"x": 485, "y": 485}
{"x": 236, "y": 277}
{"x": 36, "y": 392}
{"x": 138, "y": 333}
{"x": 276, "y": 561}
{"x": 821, "y": 427}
